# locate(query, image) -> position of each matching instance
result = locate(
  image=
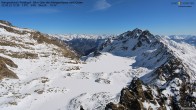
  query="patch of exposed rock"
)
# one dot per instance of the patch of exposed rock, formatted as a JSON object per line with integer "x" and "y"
{"x": 63, "y": 48}
{"x": 136, "y": 96}
{"x": 5, "y": 72}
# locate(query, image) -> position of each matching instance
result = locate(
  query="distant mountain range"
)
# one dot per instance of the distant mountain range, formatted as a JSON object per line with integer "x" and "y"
{"x": 85, "y": 44}
{"x": 190, "y": 39}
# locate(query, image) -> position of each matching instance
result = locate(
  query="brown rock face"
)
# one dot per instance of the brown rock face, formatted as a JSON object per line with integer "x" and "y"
{"x": 4, "y": 71}
{"x": 132, "y": 98}
{"x": 115, "y": 106}
{"x": 167, "y": 71}
{"x": 6, "y": 22}
{"x": 41, "y": 38}
{"x": 136, "y": 86}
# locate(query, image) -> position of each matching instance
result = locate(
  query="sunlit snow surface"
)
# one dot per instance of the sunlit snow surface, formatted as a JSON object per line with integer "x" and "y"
{"x": 53, "y": 83}
{"x": 101, "y": 77}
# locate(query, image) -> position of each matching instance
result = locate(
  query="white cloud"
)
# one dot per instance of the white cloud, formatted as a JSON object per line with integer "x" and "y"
{"x": 101, "y": 5}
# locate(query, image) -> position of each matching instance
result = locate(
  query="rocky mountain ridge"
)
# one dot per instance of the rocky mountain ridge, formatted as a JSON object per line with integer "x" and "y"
{"x": 172, "y": 69}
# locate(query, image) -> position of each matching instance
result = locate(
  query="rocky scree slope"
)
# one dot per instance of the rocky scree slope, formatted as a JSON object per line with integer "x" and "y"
{"x": 24, "y": 40}
{"x": 28, "y": 61}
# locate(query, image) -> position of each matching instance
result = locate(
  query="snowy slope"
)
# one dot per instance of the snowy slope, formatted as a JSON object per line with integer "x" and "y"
{"x": 51, "y": 81}
{"x": 41, "y": 65}
{"x": 185, "y": 52}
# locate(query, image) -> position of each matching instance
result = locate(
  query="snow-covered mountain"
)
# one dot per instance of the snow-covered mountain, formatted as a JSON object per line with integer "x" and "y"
{"x": 190, "y": 39}
{"x": 135, "y": 70}
{"x": 169, "y": 64}
{"x": 83, "y": 44}
{"x": 34, "y": 62}
{"x": 68, "y": 37}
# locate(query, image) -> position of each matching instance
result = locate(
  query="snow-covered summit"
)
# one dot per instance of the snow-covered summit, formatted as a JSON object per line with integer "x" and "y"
{"x": 68, "y": 37}
{"x": 169, "y": 61}
{"x": 28, "y": 61}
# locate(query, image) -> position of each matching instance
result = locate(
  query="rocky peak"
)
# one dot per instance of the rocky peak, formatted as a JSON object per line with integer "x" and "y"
{"x": 133, "y": 34}
{"x": 174, "y": 68}
{"x": 136, "y": 38}
{"x": 137, "y": 30}
{"x": 6, "y": 22}
{"x": 12, "y": 29}
{"x": 135, "y": 97}
{"x": 146, "y": 36}
{"x": 136, "y": 86}
{"x": 146, "y": 32}
{"x": 138, "y": 33}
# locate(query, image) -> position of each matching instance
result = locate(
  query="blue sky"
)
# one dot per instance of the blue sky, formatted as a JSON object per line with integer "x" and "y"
{"x": 106, "y": 17}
